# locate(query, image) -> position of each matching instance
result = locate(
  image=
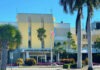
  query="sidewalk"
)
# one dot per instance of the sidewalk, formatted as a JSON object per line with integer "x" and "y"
{"x": 97, "y": 67}
{"x": 48, "y": 68}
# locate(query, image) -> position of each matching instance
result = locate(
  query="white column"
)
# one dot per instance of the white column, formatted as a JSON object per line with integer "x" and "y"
{"x": 37, "y": 59}
{"x": 45, "y": 58}
{"x": 51, "y": 52}
{"x": 41, "y": 58}
{"x": 51, "y": 56}
{"x": 27, "y": 55}
{"x": 24, "y": 56}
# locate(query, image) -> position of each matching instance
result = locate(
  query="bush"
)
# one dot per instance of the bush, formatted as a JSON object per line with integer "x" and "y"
{"x": 70, "y": 66}
{"x": 70, "y": 60}
{"x": 73, "y": 66}
{"x": 85, "y": 62}
{"x": 65, "y": 66}
{"x": 30, "y": 61}
{"x": 19, "y": 61}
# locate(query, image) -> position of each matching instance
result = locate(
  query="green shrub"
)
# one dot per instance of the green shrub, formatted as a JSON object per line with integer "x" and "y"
{"x": 85, "y": 62}
{"x": 19, "y": 61}
{"x": 68, "y": 60}
{"x": 73, "y": 66}
{"x": 30, "y": 61}
{"x": 65, "y": 66}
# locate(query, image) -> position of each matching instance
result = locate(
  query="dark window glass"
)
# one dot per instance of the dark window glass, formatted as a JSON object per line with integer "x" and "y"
{"x": 29, "y": 44}
{"x": 97, "y": 25}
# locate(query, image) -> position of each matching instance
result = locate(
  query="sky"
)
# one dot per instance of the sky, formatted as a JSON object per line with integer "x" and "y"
{"x": 10, "y": 8}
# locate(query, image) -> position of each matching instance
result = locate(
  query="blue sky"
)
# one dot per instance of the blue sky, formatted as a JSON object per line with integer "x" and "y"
{"x": 10, "y": 8}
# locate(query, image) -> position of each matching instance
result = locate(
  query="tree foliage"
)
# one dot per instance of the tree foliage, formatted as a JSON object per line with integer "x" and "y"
{"x": 41, "y": 33}
{"x": 72, "y": 41}
{"x": 69, "y": 35}
{"x": 78, "y": 5}
{"x": 97, "y": 43}
{"x": 58, "y": 49}
{"x": 58, "y": 44}
{"x": 11, "y": 34}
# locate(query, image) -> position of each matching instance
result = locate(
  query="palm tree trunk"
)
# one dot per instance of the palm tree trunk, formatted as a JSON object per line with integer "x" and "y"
{"x": 4, "y": 55}
{"x": 58, "y": 57}
{"x": 68, "y": 48}
{"x": 68, "y": 45}
{"x": 79, "y": 34}
{"x": 42, "y": 43}
{"x": 89, "y": 39}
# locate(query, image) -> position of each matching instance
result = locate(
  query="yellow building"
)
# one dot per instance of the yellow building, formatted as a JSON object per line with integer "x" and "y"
{"x": 28, "y": 24}
{"x": 36, "y": 21}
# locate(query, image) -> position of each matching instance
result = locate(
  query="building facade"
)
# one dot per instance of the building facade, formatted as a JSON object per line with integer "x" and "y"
{"x": 61, "y": 30}
{"x": 28, "y": 24}
{"x": 30, "y": 47}
{"x": 95, "y": 34}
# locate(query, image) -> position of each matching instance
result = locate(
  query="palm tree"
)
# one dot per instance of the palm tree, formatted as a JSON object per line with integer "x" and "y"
{"x": 58, "y": 44}
{"x": 73, "y": 45}
{"x": 69, "y": 36}
{"x": 8, "y": 34}
{"x": 41, "y": 35}
{"x": 65, "y": 45}
{"x": 79, "y": 34}
{"x": 15, "y": 44}
{"x": 57, "y": 50}
{"x": 97, "y": 43}
{"x": 91, "y": 4}
{"x": 75, "y": 5}
{"x": 71, "y": 42}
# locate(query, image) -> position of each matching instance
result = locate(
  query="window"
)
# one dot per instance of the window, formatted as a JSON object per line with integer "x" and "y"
{"x": 29, "y": 44}
{"x": 29, "y": 31}
{"x": 98, "y": 25}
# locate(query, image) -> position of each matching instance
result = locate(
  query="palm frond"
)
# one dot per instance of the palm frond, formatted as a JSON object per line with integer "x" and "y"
{"x": 67, "y": 4}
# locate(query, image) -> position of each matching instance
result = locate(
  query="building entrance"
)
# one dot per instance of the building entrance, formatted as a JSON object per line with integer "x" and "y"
{"x": 39, "y": 57}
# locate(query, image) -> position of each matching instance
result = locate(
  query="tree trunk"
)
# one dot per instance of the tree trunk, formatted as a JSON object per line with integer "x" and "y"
{"x": 79, "y": 38}
{"x": 89, "y": 39}
{"x": 4, "y": 55}
{"x": 68, "y": 45}
{"x": 58, "y": 57}
{"x": 42, "y": 43}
